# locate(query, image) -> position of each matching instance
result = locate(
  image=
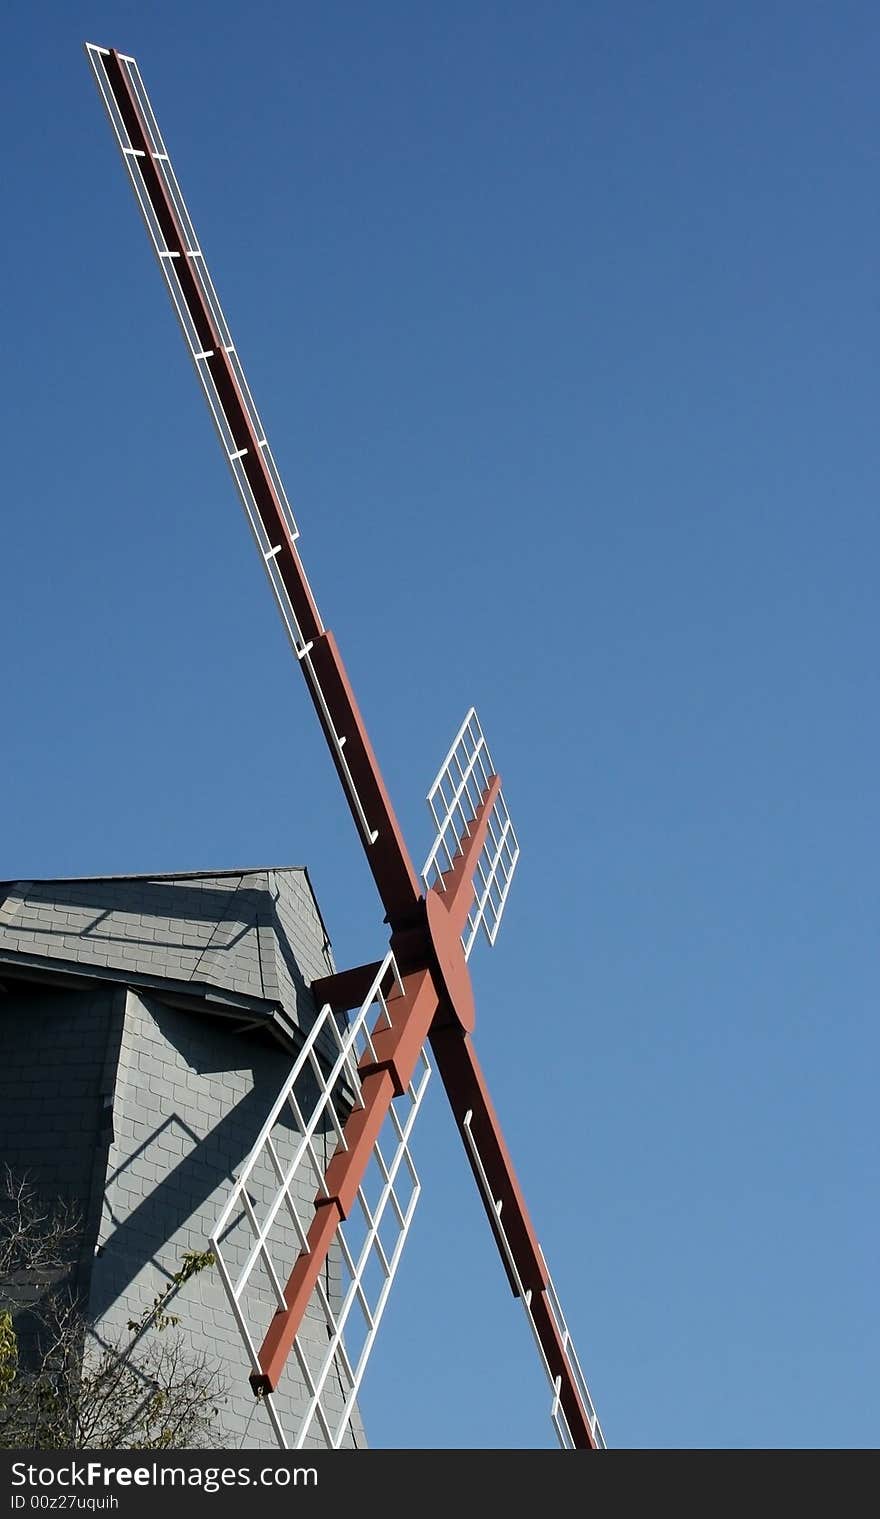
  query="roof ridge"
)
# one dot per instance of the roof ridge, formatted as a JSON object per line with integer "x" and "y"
{"x": 154, "y": 875}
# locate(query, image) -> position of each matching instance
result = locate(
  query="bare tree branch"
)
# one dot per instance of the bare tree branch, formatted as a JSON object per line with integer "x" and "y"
{"x": 146, "y": 1390}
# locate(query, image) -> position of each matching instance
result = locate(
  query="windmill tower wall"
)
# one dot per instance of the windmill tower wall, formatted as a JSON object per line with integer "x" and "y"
{"x": 147, "y": 1026}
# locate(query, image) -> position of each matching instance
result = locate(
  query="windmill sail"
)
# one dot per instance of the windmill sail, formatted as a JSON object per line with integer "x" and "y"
{"x": 325, "y": 1097}
{"x": 376, "y": 1074}
{"x": 454, "y": 798}
{"x": 246, "y": 448}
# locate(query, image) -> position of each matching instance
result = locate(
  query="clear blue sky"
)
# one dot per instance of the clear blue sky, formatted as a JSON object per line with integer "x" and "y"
{"x": 562, "y": 317}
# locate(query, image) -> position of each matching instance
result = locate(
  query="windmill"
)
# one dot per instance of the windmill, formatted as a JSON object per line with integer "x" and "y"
{"x": 361, "y": 1072}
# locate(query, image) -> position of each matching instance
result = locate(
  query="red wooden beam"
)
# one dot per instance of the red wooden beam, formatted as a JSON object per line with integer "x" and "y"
{"x": 387, "y": 857}
{"x": 469, "y": 1097}
{"x": 458, "y": 880}
{"x": 397, "y": 1050}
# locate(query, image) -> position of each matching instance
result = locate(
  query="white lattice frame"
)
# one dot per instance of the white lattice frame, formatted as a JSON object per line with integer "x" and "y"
{"x": 453, "y": 799}
{"x": 352, "y": 1044}
{"x": 560, "y": 1423}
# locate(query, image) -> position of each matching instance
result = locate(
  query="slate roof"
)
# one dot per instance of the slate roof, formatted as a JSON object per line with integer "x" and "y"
{"x": 239, "y": 939}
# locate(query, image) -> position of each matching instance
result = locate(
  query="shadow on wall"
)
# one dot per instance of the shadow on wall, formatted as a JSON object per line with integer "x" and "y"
{"x": 178, "y": 1195}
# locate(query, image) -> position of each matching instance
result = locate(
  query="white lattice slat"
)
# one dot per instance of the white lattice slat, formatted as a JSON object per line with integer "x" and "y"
{"x": 453, "y": 799}
{"x": 302, "y": 1131}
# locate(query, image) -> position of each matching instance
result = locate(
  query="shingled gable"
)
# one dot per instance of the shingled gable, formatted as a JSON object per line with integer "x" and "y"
{"x": 242, "y": 944}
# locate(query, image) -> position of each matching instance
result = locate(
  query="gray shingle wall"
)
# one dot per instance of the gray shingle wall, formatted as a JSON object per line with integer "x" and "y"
{"x": 189, "y": 1102}
{"x": 298, "y": 923}
{"x": 56, "y": 1074}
